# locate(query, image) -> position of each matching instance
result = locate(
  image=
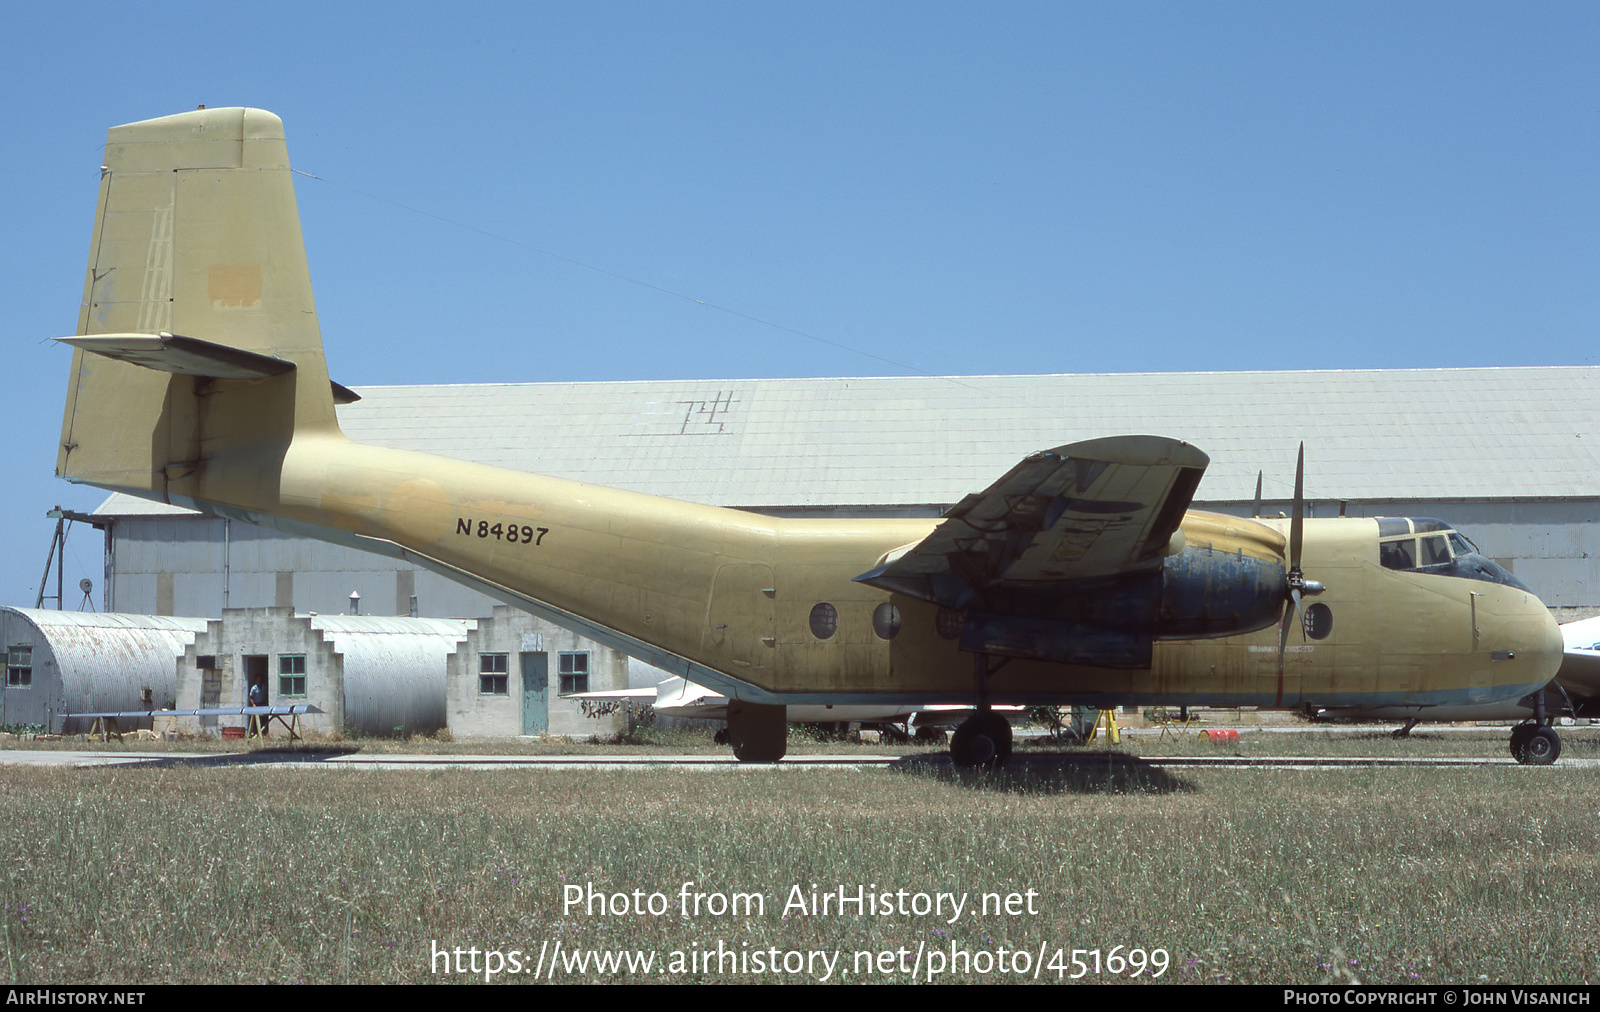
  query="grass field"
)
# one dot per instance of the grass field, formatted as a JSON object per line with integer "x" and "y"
{"x": 1412, "y": 875}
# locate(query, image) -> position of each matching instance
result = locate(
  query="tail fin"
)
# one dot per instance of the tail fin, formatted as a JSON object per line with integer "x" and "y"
{"x": 196, "y": 235}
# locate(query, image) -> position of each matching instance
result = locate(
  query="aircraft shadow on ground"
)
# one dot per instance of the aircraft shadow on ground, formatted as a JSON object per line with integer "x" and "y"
{"x": 287, "y": 754}
{"x": 1052, "y": 773}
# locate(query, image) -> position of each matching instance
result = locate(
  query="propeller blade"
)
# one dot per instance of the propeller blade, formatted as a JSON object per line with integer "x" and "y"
{"x": 1283, "y": 648}
{"x": 1297, "y": 525}
{"x": 1296, "y": 576}
{"x": 1255, "y": 511}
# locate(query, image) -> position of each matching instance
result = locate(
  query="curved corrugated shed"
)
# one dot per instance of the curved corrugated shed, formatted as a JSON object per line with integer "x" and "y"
{"x": 394, "y": 669}
{"x": 95, "y": 662}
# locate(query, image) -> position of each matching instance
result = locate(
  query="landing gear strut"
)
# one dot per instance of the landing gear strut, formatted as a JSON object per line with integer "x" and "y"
{"x": 983, "y": 739}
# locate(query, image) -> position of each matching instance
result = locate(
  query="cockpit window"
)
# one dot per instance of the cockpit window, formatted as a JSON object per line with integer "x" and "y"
{"x": 1389, "y": 527}
{"x": 1462, "y": 545}
{"x": 1399, "y": 547}
{"x": 1434, "y": 552}
{"x": 1422, "y": 545}
{"x": 1397, "y": 554}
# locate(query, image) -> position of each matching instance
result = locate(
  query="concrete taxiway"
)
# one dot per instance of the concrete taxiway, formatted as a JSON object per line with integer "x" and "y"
{"x": 355, "y": 761}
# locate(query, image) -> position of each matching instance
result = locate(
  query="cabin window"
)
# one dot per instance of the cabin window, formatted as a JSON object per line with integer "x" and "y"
{"x": 291, "y": 674}
{"x": 574, "y": 671}
{"x": 494, "y": 674}
{"x": 886, "y": 621}
{"x": 19, "y": 667}
{"x": 1318, "y": 621}
{"x": 824, "y": 620}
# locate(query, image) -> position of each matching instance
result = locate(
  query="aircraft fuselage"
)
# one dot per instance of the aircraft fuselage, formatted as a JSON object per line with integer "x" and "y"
{"x": 767, "y": 609}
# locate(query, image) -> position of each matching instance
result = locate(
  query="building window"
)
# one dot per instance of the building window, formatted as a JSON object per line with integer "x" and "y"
{"x": 494, "y": 675}
{"x": 291, "y": 674}
{"x": 574, "y": 670}
{"x": 19, "y": 668}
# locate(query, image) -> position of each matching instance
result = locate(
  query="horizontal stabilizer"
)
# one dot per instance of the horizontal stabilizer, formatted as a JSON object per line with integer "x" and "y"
{"x": 187, "y": 356}
{"x": 190, "y": 356}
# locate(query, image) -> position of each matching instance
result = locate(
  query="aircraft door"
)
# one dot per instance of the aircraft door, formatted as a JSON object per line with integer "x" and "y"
{"x": 739, "y": 623}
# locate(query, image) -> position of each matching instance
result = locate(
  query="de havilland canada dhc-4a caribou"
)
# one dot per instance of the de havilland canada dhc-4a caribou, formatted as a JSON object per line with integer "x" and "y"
{"x": 1079, "y": 577}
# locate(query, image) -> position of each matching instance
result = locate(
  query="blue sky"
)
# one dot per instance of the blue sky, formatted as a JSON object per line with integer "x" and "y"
{"x": 919, "y": 187}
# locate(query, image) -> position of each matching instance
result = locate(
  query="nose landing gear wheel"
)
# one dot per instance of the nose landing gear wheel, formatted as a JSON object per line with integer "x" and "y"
{"x": 983, "y": 739}
{"x": 1535, "y": 744}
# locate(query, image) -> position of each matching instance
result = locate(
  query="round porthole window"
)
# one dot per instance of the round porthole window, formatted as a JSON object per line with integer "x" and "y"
{"x": 1319, "y": 621}
{"x": 824, "y": 620}
{"x": 886, "y": 621}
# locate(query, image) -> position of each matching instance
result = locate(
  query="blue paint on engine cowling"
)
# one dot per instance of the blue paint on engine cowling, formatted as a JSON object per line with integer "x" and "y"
{"x": 1207, "y": 593}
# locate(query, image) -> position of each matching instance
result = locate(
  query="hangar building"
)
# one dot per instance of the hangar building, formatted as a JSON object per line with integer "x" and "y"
{"x": 1509, "y": 456}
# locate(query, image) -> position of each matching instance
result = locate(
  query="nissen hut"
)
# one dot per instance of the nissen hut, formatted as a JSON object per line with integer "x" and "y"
{"x": 372, "y": 675}
{"x": 60, "y": 663}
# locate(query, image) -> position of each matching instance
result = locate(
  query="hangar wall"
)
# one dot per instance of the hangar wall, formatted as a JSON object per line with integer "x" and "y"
{"x": 188, "y": 564}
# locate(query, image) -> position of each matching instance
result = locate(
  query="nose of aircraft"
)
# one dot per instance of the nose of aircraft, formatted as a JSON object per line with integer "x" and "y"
{"x": 1531, "y": 632}
{"x": 1520, "y": 637}
{"x": 1554, "y": 646}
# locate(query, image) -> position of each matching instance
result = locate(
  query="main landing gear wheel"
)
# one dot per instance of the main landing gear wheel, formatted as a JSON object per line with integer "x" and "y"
{"x": 1535, "y": 744}
{"x": 758, "y": 732}
{"x": 983, "y": 739}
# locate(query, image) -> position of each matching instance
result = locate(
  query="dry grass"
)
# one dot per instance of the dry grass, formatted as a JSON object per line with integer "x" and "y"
{"x": 1328, "y": 740}
{"x": 250, "y": 874}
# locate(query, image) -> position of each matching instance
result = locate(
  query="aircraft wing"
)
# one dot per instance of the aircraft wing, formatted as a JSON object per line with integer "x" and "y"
{"x": 1082, "y": 512}
{"x": 646, "y": 694}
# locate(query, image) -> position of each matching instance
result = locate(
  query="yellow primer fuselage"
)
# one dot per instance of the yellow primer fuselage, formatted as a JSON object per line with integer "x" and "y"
{"x": 725, "y": 596}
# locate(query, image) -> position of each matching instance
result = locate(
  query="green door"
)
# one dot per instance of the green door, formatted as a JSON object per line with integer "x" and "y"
{"x": 535, "y": 693}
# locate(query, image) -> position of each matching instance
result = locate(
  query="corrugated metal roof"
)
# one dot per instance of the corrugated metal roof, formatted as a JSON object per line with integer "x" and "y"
{"x": 391, "y": 625}
{"x": 51, "y": 620}
{"x": 394, "y": 668}
{"x": 1370, "y": 434}
{"x": 103, "y": 661}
